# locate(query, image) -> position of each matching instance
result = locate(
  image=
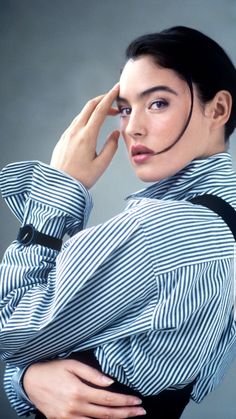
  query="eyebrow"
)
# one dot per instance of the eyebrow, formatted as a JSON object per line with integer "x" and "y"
{"x": 149, "y": 91}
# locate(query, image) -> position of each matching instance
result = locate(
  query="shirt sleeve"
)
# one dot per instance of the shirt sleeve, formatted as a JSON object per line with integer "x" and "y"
{"x": 51, "y": 302}
{"x": 53, "y": 201}
{"x": 15, "y": 392}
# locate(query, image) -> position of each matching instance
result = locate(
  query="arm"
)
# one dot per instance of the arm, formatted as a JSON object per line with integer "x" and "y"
{"x": 30, "y": 281}
{"x": 46, "y": 297}
{"x": 51, "y": 216}
{"x": 83, "y": 392}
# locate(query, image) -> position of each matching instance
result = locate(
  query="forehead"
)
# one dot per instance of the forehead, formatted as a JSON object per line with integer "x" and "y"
{"x": 142, "y": 73}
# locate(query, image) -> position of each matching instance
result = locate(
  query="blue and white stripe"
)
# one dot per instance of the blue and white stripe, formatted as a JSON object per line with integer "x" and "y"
{"x": 151, "y": 289}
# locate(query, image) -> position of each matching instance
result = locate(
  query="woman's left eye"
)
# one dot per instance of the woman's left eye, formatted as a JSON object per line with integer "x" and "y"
{"x": 158, "y": 104}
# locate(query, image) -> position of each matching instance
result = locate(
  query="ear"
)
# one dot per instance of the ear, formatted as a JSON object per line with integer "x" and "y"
{"x": 220, "y": 108}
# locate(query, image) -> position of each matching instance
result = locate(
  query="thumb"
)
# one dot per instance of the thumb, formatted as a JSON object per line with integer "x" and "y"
{"x": 108, "y": 151}
{"x": 89, "y": 374}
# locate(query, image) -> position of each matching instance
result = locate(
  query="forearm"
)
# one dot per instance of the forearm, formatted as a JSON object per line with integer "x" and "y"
{"x": 55, "y": 204}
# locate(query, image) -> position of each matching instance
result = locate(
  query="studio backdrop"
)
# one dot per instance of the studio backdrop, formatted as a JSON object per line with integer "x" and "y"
{"x": 57, "y": 54}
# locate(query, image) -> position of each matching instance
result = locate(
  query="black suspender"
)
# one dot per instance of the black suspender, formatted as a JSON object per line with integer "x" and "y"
{"x": 221, "y": 207}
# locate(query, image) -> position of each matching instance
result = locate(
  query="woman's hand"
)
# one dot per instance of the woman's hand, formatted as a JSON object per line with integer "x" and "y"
{"x": 61, "y": 390}
{"x": 75, "y": 152}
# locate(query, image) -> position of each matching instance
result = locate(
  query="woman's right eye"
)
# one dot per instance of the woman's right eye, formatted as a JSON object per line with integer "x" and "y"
{"x": 125, "y": 111}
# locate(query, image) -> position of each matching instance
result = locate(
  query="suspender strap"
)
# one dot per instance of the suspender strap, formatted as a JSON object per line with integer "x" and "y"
{"x": 221, "y": 207}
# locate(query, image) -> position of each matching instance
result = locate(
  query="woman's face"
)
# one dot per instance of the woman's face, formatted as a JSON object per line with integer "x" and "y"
{"x": 154, "y": 104}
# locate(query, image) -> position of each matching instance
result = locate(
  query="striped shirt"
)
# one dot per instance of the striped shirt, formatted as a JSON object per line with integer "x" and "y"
{"x": 151, "y": 289}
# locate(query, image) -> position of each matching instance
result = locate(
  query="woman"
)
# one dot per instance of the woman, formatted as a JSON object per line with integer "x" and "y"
{"x": 150, "y": 291}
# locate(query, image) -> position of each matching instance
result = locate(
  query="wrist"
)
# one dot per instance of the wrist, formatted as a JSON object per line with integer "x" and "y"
{"x": 18, "y": 385}
{"x": 29, "y": 235}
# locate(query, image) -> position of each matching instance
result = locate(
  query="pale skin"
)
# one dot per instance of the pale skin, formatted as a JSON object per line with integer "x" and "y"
{"x": 148, "y": 118}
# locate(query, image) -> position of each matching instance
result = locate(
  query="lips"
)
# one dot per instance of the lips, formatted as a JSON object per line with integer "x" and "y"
{"x": 140, "y": 149}
{"x": 140, "y": 154}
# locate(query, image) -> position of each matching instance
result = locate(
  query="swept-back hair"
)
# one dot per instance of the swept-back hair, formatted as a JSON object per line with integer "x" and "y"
{"x": 196, "y": 58}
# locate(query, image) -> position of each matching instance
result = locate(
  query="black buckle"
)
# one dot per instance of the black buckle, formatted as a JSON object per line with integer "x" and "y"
{"x": 26, "y": 235}
{"x": 29, "y": 235}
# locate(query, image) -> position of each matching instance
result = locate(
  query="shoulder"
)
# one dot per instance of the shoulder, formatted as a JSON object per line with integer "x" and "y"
{"x": 181, "y": 233}
{"x": 168, "y": 213}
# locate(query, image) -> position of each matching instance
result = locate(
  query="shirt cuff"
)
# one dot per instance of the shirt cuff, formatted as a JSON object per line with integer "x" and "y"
{"x": 17, "y": 385}
{"x": 55, "y": 203}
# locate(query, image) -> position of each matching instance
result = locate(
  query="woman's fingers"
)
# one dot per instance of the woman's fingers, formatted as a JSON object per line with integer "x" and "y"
{"x": 75, "y": 152}
{"x": 113, "y": 112}
{"x": 101, "y": 111}
{"x": 66, "y": 389}
{"x": 83, "y": 117}
{"x": 108, "y": 151}
{"x": 106, "y": 398}
{"x": 99, "y": 396}
{"x": 89, "y": 374}
{"x": 105, "y": 108}
{"x": 94, "y": 411}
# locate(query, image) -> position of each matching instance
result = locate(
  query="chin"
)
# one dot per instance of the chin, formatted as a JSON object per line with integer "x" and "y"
{"x": 146, "y": 176}
{"x": 155, "y": 174}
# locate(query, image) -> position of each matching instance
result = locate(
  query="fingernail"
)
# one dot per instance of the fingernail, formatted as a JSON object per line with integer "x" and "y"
{"x": 115, "y": 87}
{"x": 137, "y": 401}
{"x": 107, "y": 380}
{"x": 140, "y": 412}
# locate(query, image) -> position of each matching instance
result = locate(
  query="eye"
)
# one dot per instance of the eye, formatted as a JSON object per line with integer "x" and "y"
{"x": 158, "y": 104}
{"x": 124, "y": 111}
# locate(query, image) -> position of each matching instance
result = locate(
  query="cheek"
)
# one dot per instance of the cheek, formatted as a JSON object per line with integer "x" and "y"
{"x": 127, "y": 141}
{"x": 162, "y": 127}
{"x": 168, "y": 127}
{"x": 123, "y": 125}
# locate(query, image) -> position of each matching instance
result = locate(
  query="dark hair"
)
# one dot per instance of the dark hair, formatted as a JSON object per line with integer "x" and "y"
{"x": 194, "y": 56}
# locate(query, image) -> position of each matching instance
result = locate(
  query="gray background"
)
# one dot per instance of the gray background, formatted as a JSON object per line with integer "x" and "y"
{"x": 54, "y": 56}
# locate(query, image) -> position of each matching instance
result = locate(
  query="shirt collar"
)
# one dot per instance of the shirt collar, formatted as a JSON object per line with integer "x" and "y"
{"x": 196, "y": 178}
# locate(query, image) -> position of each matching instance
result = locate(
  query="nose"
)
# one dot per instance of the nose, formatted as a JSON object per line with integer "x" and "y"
{"x": 136, "y": 126}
